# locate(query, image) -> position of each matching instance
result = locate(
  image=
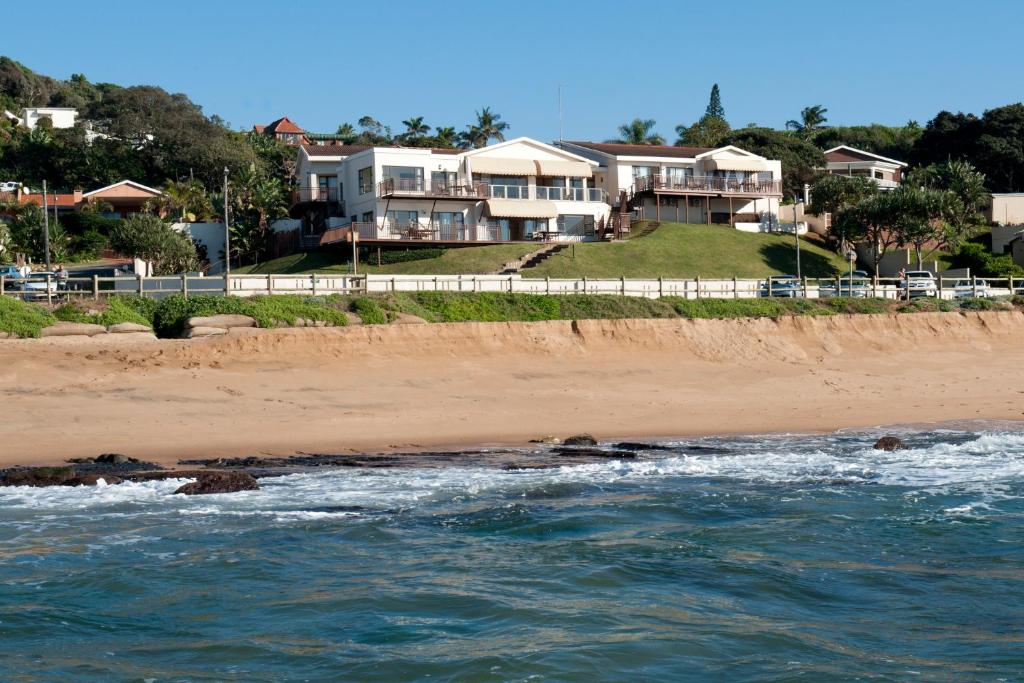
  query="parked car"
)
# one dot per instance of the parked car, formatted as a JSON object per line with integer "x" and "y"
{"x": 859, "y": 287}
{"x": 9, "y": 186}
{"x": 966, "y": 289}
{"x": 787, "y": 286}
{"x": 10, "y": 271}
{"x": 918, "y": 283}
{"x": 36, "y": 284}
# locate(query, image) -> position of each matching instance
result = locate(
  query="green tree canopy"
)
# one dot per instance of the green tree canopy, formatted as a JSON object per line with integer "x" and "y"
{"x": 798, "y": 156}
{"x": 639, "y": 132}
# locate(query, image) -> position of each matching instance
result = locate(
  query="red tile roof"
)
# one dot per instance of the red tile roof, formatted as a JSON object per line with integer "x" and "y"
{"x": 282, "y": 125}
{"x": 59, "y": 200}
{"x": 619, "y": 149}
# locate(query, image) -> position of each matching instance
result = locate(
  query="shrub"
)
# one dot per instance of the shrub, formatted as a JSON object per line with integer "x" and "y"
{"x": 370, "y": 311}
{"x": 489, "y": 306}
{"x": 82, "y": 222}
{"x": 387, "y": 257}
{"x": 115, "y": 310}
{"x": 23, "y": 319}
{"x": 607, "y": 307}
{"x": 269, "y": 311}
{"x": 727, "y": 308}
{"x": 858, "y": 306}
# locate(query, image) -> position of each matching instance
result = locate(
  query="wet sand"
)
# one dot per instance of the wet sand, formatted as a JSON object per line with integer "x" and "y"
{"x": 408, "y": 387}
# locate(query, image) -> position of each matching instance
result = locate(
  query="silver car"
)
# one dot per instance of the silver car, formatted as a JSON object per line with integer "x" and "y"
{"x": 918, "y": 283}
{"x": 968, "y": 289}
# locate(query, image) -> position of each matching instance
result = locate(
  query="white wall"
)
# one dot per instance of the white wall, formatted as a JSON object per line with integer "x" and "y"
{"x": 61, "y": 118}
{"x": 210, "y": 235}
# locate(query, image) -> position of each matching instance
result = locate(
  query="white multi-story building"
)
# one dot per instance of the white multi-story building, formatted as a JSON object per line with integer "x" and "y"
{"x": 726, "y": 185}
{"x": 525, "y": 190}
{"x": 518, "y": 190}
{"x": 59, "y": 117}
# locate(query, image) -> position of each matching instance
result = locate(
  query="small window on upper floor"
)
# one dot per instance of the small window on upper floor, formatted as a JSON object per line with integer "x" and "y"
{"x": 366, "y": 180}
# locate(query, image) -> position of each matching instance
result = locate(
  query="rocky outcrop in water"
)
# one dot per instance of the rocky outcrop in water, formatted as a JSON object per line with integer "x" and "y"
{"x": 580, "y": 440}
{"x": 890, "y": 443}
{"x": 220, "y": 482}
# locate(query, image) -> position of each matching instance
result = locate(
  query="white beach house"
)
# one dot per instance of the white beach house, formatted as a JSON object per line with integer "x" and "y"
{"x": 725, "y": 185}
{"x": 518, "y": 190}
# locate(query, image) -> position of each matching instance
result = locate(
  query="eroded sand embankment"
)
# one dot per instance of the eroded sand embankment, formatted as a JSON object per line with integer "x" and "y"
{"x": 403, "y": 386}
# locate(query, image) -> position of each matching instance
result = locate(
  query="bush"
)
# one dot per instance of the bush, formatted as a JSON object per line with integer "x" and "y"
{"x": 607, "y": 307}
{"x": 455, "y": 307}
{"x": 269, "y": 311}
{"x": 727, "y": 308}
{"x": 23, "y": 319}
{"x": 386, "y": 257}
{"x": 858, "y": 306}
{"x": 978, "y": 257}
{"x": 115, "y": 310}
{"x": 370, "y": 311}
{"x": 88, "y": 245}
{"x": 82, "y": 222}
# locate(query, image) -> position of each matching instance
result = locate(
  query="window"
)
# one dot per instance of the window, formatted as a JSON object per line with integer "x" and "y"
{"x": 328, "y": 188}
{"x": 407, "y": 178}
{"x": 676, "y": 176}
{"x": 532, "y": 226}
{"x": 508, "y": 187}
{"x": 368, "y": 217}
{"x": 644, "y": 171}
{"x": 366, "y": 180}
{"x": 403, "y": 218}
{"x": 449, "y": 225}
{"x": 569, "y": 224}
{"x": 441, "y": 180}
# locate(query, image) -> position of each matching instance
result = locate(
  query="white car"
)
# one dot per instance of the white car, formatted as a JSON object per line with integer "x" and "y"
{"x": 35, "y": 284}
{"x": 9, "y": 186}
{"x": 966, "y": 289}
{"x": 918, "y": 283}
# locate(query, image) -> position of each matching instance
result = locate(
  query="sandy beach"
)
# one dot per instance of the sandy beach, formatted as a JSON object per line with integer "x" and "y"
{"x": 291, "y": 391}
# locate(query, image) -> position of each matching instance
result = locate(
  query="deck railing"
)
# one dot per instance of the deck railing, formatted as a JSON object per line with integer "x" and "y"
{"x": 706, "y": 184}
{"x": 421, "y": 187}
{"x": 315, "y": 194}
{"x": 572, "y": 194}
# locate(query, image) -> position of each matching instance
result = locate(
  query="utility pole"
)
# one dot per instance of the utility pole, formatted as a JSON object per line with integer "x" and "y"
{"x": 227, "y": 228}
{"x": 46, "y": 229}
{"x": 796, "y": 232}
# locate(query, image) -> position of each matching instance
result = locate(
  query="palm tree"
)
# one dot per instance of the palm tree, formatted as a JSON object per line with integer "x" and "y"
{"x": 811, "y": 118}
{"x": 415, "y": 130}
{"x": 346, "y": 132}
{"x": 639, "y": 132}
{"x": 488, "y": 126}
{"x": 446, "y": 136}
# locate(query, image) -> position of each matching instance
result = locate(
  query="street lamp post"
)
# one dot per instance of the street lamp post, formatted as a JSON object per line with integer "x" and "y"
{"x": 227, "y": 228}
{"x": 797, "y": 201}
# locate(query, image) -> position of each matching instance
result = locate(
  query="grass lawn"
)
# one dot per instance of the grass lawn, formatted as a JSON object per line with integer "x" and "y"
{"x": 467, "y": 260}
{"x": 683, "y": 250}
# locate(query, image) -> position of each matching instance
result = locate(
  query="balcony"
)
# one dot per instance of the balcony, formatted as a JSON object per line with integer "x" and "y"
{"x": 315, "y": 194}
{"x": 419, "y": 187}
{"x": 703, "y": 185}
{"x": 572, "y": 194}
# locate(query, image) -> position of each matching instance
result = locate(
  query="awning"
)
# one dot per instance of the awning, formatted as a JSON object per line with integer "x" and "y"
{"x": 497, "y": 166}
{"x": 521, "y": 208}
{"x": 572, "y": 169}
{"x": 734, "y": 164}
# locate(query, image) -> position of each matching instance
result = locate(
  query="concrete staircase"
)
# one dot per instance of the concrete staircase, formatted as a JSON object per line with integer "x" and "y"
{"x": 532, "y": 259}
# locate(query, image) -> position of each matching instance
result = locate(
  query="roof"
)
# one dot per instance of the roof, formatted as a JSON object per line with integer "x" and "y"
{"x": 58, "y": 200}
{"x": 332, "y": 150}
{"x": 621, "y": 149}
{"x": 282, "y": 125}
{"x": 868, "y": 154}
{"x": 140, "y": 186}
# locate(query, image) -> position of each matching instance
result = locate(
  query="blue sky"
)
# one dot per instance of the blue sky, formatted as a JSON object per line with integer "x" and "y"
{"x": 323, "y": 63}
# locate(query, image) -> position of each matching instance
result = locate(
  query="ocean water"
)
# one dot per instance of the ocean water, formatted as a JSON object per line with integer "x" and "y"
{"x": 734, "y": 559}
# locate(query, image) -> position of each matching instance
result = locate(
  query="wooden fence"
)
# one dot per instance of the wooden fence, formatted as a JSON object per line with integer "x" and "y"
{"x": 50, "y": 288}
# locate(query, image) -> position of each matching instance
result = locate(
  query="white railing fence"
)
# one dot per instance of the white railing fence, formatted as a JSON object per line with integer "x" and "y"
{"x": 52, "y": 289}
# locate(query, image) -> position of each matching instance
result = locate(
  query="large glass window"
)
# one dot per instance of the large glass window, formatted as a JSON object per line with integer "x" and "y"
{"x": 571, "y": 224}
{"x": 677, "y": 176}
{"x": 443, "y": 180}
{"x": 403, "y": 218}
{"x": 508, "y": 187}
{"x": 449, "y": 225}
{"x": 328, "y": 188}
{"x": 366, "y": 180}
{"x": 405, "y": 178}
{"x": 644, "y": 171}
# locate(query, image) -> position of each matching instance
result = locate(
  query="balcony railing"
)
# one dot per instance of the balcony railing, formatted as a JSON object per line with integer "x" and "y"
{"x": 705, "y": 184}
{"x": 315, "y": 194}
{"x": 572, "y": 194}
{"x": 420, "y": 187}
{"x": 455, "y": 232}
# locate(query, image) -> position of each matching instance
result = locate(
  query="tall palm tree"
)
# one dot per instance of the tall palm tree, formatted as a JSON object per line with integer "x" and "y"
{"x": 446, "y": 136}
{"x": 639, "y": 132}
{"x": 811, "y": 118}
{"x": 488, "y": 126}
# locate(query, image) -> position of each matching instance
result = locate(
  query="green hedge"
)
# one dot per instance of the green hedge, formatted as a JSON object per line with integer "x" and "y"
{"x": 23, "y": 319}
{"x": 370, "y": 311}
{"x": 171, "y": 313}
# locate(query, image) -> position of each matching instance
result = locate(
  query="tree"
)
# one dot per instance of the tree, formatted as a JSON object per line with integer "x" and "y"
{"x": 715, "y": 108}
{"x": 639, "y": 132}
{"x": 488, "y": 126}
{"x": 798, "y": 156}
{"x": 895, "y": 142}
{"x": 871, "y": 221}
{"x": 257, "y": 200}
{"x": 185, "y": 201}
{"x": 710, "y": 131}
{"x": 918, "y": 219}
{"x": 811, "y": 118}
{"x": 833, "y": 193}
{"x": 446, "y": 137}
{"x": 346, "y": 133}
{"x": 415, "y": 131}
{"x": 967, "y": 192}
{"x": 147, "y": 237}
{"x": 994, "y": 143}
